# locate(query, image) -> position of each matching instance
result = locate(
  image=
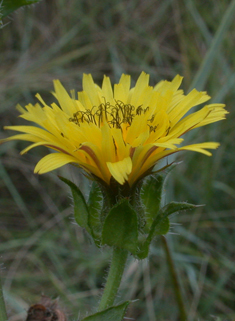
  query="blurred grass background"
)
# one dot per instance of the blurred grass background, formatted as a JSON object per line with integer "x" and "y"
{"x": 41, "y": 250}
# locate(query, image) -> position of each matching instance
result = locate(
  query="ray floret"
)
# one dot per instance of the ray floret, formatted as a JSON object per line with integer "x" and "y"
{"x": 116, "y": 131}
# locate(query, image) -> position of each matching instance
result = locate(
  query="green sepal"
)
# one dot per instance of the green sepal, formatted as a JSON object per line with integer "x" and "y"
{"x": 136, "y": 202}
{"x": 94, "y": 208}
{"x": 81, "y": 211}
{"x": 8, "y": 6}
{"x": 163, "y": 214}
{"x": 121, "y": 227}
{"x": 114, "y": 313}
{"x": 151, "y": 194}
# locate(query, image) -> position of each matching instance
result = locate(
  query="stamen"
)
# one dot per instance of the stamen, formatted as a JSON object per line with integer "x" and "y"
{"x": 115, "y": 146}
{"x": 152, "y": 128}
{"x": 114, "y": 115}
{"x": 151, "y": 119}
{"x": 168, "y": 130}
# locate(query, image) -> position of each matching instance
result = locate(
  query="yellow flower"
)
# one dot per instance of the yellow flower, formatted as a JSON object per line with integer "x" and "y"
{"x": 119, "y": 132}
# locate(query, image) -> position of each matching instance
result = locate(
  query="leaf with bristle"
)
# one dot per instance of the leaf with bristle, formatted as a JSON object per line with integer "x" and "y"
{"x": 9, "y": 6}
{"x": 121, "y": 227}
{"x": 94, "y": 212}
{"x": 114, "y": 313}
{"x": 81, "y": 211}
{"x": 163, "y": 214}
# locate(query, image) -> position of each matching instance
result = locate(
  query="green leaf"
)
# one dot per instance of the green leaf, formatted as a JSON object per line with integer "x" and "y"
{"x": 164, "y": 212}
{"x": 121, "y": 227}
{"x": 114, "y": 313}
{"x": 143, "y": 249}
{"x": 80, "y": 207}
{"x": 151, "y": 196}
{"x": 94, "y": 209}
{"x": 8, "y": 6}
{"x": 158, "y": 223}
{"x": 174, "y": 207}
{"x": 163, "y": 227}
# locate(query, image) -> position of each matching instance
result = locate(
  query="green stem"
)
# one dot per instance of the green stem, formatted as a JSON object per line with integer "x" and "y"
{"x": 178, "y": 294}
{"x": 114, "y": 278}
{"x": 3, "y": 313}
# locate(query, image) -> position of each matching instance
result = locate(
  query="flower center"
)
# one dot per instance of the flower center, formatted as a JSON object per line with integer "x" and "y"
{"x": 114, "y": 115}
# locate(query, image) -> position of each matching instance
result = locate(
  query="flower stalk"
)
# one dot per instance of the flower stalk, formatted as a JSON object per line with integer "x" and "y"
{"x": 114, "y": 278}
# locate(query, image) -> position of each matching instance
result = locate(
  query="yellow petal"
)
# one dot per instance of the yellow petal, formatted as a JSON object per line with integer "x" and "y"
{"x": 25, "y": 137}
{"x": 53, "y": 161}
{"x": 92, "y": 90}
{"x": 35, "y": 131}
{"x": 194, "y": 98}
{"x": 120, "y": 170}
{"x": 141, "y": 85}
{"x": 201, "y": 148}
{"x": 85, "y": 100}
{"x": 107, "y": 90}
{"x": 120, "y": 94}
{"x": 66, "y": 102}
{"x": 165, "y": 85}
{"x": 108, "y": 145}
{"x": 125, "y": 81}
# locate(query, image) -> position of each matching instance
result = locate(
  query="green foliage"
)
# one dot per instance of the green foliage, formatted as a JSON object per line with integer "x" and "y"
{"x": 8, "y": 6}
{"x": 160, "y": 225}
{"x": 151, "y": 195}
{"x": 115, "y": 313}
{"x": 163, "y": 227}
{"x": 121, "y": 227}
{"x": 80, "y": 207}
{"x": 166, "y": 211}
{"x": 94, "y": 207}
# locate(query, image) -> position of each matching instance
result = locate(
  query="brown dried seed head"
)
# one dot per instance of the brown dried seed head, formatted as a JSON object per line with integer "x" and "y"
{"x": 46, "y": 310}
{"x": 38, "y": 312}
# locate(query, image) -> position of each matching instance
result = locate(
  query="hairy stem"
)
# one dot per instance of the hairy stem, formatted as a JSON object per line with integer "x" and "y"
{"x": 177, "y": 289}
{"x": 114, "y": 278}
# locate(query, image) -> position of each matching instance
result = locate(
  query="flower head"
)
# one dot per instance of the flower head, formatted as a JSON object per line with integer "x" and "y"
{"x": 119, "y": 132}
